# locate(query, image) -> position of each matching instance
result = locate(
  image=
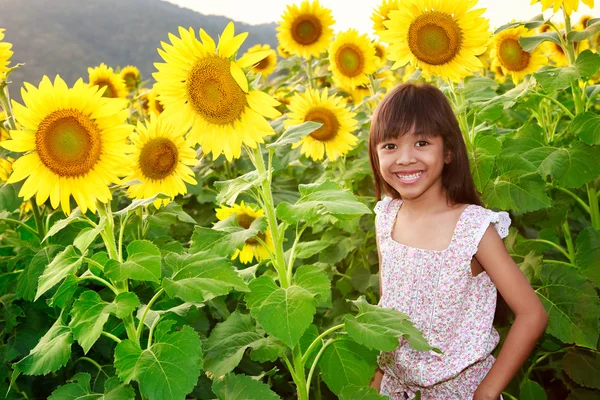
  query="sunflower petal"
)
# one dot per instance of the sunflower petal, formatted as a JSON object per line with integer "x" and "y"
{"x": 249, "y": 59}
{"x": 239, "y": 76}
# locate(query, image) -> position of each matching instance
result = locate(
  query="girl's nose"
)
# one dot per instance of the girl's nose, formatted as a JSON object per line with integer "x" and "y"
{"x": 404, "y": 156}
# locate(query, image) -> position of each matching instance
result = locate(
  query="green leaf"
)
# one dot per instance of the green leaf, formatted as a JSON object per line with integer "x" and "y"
{"x": 231, "y": 189}
{"x": 308, "y": 249}
{"x": 592, "y": 28}
{"x": 478, "y": 88}
{"x": 181, "y": 310}
{"x": 482, "y": 159}
{"x": 588, "y": 254}
{"x": 530, "y": 43}
{"x": 556, "y": 78}
{"x": 571, "y": 303}
{"x": 242, "y": 387}
{"x": 232, "y": 236}
{"x": 88, "y": 235}
{"x": 294, "y": 134}
{"x": 65, "y": 292}
{"x": 65, "y": 263}
{"x": 517, "y": 191}
{"x": 123, "y": 305}
{"x": 583, "y": 367}
{"x": 315, "y": 281}
{"x": 267, "y": 349}
{"x": 587, "y": 63}
{"x": 283, "y": 313}
{"x": 9, "y": 196}
{"x": 572, "y": 167}
{"x": 531, "y": 390}
{"x": 380, "y": 328}
{"x": 587, "y": 127}
{"x": 201, "y": 277}
{"x": 169, "y": 214}
{"x": 205, "y": 239}
{"x": 345, "y": 362}
{"x": 28, "y": 280}
{"x": 75, "y": 216}
{"x": 319, "y": 199}
{"x": 227, "y": 343}
{"x": 143, "y": 261}
{"x": 79, "y": 389}
{"x": 356, "y": 392}
{"x": 507, "y": 26}
{"x": 583, "y": 394}
{"x": 50, "y": 354}
{"x": 169, "y": 369}
{"x": 309, "y": 336}
{"x": 88, "y": 318}
{"x": 140, "y": 203}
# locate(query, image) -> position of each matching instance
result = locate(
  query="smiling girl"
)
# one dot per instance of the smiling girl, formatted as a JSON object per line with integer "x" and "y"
{"x": 442, "y": 259}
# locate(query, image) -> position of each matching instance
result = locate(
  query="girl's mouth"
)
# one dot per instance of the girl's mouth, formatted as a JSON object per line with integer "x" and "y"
{"x": 410, "y": 178}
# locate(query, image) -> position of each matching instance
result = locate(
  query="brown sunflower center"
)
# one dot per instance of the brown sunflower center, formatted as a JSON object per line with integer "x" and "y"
{"x": 213, "y": 92}
{"x": 512, "y": 55}
{"x": 130, "y": 79}
{"x": 110, "y": 91}
{"x": 245, "y": 220}
{"x": 434, "y": 38}
{"x": 330, "y": 127}
{"x": 379, "y": 51}
{"x": 158, "y": 106}
{"x": 158, "y": 158}
{"x": 68, "y": 143}
{"x": 306, "y": 29}
{"x": 349, "y": 60}
{"x": 263, "y": 64}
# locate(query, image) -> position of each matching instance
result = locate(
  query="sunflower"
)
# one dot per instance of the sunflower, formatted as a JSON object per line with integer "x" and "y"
{"x": 485, "y": 58}
{"x": 5, "y": 168}
{"x": 5, "y": 54}
{"x": 335, "y": 136}
{"x": 162, "y": 159}
{"x": 380, "y": 14}
{"x": 386, "y": 80}
{"x": 381, "y": 53}
{"x": 76, "y": 144}
{"x": 283, "y": 53}
{"x": 352, "y": 58}
{"x": 441, "y": 37}
{"x": 131, "y": 75}
{"x": 267, "y": 65}
{"x": 104, "y": 77}
{"x": 512, "y": 58}
{"x": 154, "y": 105}
{"x": 568, "y": 5}
{"x": 556, "y": 53}
{"x": 496, "y": 68}
{"x": 202, "y": 87}
{"x": 306, "y": 30}
{"x": 245, "y": 215}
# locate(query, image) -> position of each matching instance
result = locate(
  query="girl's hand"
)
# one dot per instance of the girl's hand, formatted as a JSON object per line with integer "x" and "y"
{"x": 376, "y": 381}
{"x": 482, "y": 394}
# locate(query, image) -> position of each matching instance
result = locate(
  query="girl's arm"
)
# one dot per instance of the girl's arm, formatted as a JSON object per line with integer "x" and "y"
{"x": 531, "y": 317}
{"x": 376, "y": 381}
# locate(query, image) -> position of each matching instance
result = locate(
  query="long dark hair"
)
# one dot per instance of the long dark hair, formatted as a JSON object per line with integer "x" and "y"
{"x": 425, "y": 108}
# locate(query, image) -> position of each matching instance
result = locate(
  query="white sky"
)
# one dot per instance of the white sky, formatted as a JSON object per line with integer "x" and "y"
{"x": 357, "y": 13}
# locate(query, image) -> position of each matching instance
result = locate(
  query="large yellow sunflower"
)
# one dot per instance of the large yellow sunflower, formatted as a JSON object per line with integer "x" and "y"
{"x": 131, "y": 75}
{"x": 305, "y": 30}
{"x": 5, "y": 54}
{"x": 245, "y": 215}
{"x": 201, "y": 87}
{"x": 352, "y": 58}
{"x": 513, "y": 59}
{"x": 104, "y": 77}
{"x": 569, "y": 5}
{"x": 76, "y": 144}
{"x": 380, "y": 14}
{"x": 335, "y": 137}
{"x": 267, "y": 65}
{"x": 441, "y": 37}
{"x": 162, "y": 158}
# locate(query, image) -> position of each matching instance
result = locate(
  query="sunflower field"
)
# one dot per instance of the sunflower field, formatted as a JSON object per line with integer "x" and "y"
{"x": 210, "y": 235}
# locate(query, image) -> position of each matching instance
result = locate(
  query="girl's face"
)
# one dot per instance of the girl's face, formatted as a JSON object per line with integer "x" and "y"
{"x": 412, "y": 164}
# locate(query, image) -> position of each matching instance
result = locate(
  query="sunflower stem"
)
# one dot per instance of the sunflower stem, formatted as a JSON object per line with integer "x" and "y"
{"x": 570, "y": 47}
{"x": 309, "y": 72}
{"x": 279, "y": 260}
{"x": 38, "y": 219}
{"x": 150, "y": 304}
{"x": 23, "y": 224}
{"x": 5, "y": 103}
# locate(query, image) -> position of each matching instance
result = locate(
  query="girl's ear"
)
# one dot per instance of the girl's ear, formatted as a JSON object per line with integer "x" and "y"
{"x": 448, "y": 157}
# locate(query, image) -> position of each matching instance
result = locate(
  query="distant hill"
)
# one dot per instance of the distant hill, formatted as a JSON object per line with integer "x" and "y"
{"x": 67, "y": 36}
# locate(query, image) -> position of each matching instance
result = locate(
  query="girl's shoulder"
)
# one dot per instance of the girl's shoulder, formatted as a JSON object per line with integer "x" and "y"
{"x": 386, "y": 204}
{"x": 479, "y": 218}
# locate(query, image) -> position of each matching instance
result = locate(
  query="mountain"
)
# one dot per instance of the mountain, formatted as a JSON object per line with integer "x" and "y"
{"x": 67, "y": 36}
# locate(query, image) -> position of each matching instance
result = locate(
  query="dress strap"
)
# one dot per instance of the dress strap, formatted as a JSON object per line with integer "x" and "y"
{"x": 477, "y": 222}
{"x": 385, "y": 214}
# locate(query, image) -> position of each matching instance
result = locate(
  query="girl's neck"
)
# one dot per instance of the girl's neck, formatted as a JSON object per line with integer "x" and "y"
{"x": 426, "y": 204}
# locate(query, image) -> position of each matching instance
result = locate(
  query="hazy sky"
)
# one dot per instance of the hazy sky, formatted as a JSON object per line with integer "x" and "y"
{"x": 357, "y": 13}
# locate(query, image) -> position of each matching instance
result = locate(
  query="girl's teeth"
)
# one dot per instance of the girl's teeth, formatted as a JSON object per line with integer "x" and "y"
{"x": 409, "y": 177}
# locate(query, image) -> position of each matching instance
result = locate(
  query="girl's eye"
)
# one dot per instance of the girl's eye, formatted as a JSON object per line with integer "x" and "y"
{"x": 422, "y": 141}
{"x": 388, "y": 146}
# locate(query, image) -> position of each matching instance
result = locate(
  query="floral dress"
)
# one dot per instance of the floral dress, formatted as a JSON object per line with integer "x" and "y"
{"x": 452, "y": 308}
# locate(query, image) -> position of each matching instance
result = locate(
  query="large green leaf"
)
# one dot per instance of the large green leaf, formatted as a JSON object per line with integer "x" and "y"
{"x": 592, "y": 28}
{"x": 587, "y": 127}
{"x": 143, "y": 262}
{"x": 242, "y": 387}
{"x": 65, "y": 263}
{"x": 309, "y": 249}
{"x": 169, "y": 369}
{"x": 380, "y": 328}
{"x": 140, "y": 203}
{"x": 78, "y": 388}
{"x": 319, "y": 199}
{"x": 201, "y": 277}
{"x": 583, "y": 394}
{"x": 571, "y": 167}
{"x": 88, "y": 319}
{"x": 587, "y": 63}
{"x": 356, "y": 392}
{"x": 345, "y": 362}
{"x": 231, "y": 189}
{"x": 583, "y": 367}
{"x": 517, "y": 191}
{"x": 227, "y": 343}
{"x": 283, "y": 313}
{"x": 268, "y": 349}
{"x": 588, "y": 254}
{"x": 314, "y": 280}
{"x": 531, "y": 390}
{"x": 556, "y": 78}
{"x": 530, "y": 43}
{"x": 50, "y": 354}
{"x": 9, "y": 196}
{"x": 226, "y": 236}
{"x": 28, "y": 279}
{"x": 88, "y": 235}
{"x": 123, "y": 305}
{"x": 76, "y": 216}
{"x": 294, "y": 133}
{"x": 482, "y": 159}
{"x": 65, "y": 292}
{"x": 572, "y": 305}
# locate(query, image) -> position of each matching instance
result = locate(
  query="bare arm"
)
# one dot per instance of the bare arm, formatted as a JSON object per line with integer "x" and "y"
{"x": 376, "y": 381}
{"x": 531, "y": 317}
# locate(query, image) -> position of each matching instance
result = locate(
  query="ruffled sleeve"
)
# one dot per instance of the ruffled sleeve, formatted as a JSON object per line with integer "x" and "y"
{"x": 501, "y": 222}
{"x": 382, "y": 205}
